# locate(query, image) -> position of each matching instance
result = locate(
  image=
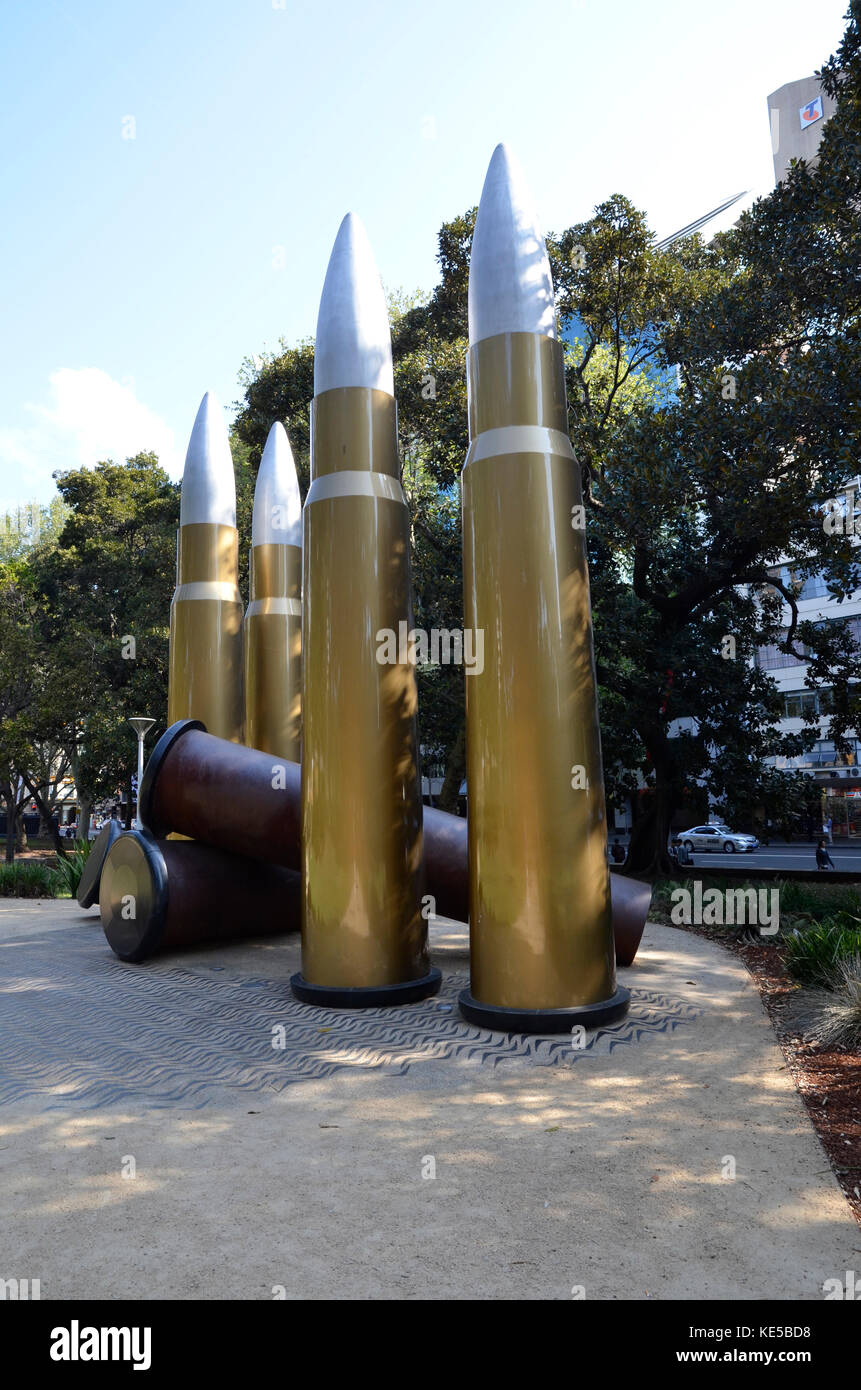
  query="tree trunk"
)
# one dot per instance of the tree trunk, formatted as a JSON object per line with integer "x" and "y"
{"x": 648, "y": 856}
{"x": 21, "y": 837}
{"x": 46, "y": 818}
{"x": 54, "y": 836}
{"x": 8, "y": 800}
{"x": 129, "y": 795}
{"x": 454, "y": 773}
{"x": 84, "y": 810}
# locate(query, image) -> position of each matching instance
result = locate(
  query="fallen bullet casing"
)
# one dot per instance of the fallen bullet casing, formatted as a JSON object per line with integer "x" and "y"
{"x": 163, "y": 895}
{"x": 244, "y": 801}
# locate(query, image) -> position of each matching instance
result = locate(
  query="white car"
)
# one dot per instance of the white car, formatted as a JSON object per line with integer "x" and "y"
{"x": 708, "y": 837}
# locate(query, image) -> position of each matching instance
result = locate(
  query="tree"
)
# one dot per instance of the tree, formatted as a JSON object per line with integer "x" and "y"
{"x": 18, "y": 661}
{"x": 698, "y": 500}
{"x": 713, "y": 409}
{"x": 105, "y": 590}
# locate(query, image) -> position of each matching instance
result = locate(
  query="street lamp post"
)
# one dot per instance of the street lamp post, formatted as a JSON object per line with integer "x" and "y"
{"x": 141, "y": 728}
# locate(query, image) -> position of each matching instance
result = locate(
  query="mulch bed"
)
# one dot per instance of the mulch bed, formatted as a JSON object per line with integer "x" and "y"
{"x": 829, "y": 1082}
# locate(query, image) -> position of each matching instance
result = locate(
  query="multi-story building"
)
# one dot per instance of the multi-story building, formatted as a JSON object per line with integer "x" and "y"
{"x": 838, "y": 774}
{"x": 797, "y": 112}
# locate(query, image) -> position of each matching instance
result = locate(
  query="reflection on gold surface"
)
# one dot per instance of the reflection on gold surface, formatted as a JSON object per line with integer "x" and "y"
{"x": 205, "y": 663}
{"x": 273, "y": 652}
{"x": 361, "y": 802}
{"x": 540, "y": 926}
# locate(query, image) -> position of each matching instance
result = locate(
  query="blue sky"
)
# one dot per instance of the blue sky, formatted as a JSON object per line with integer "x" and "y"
{"x": 138, "y": 272}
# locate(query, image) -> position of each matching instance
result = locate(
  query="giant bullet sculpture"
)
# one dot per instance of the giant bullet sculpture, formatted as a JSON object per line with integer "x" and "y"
{"x": 364, "y": 939}
{"x": 541, "y": 938}
{"x": 242, "y": 801}
{"x": 166, "y": 895}
{"x": 273, "y": 622}
{"x": 205, "y": 667}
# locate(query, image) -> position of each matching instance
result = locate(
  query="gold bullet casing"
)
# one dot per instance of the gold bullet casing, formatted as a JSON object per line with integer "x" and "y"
{"x": 273, "y": 652}
{"x": 205, "y": 663}
{"x": 362, "y": 926}
{"x": 540, "y": 916}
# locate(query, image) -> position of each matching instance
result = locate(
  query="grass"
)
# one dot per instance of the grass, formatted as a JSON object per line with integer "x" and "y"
{"x": 820, "y": 946}
{"x": 831, "y": 1016}
{"x": 23, "y": 880}
{"x": 70, "y": 867}
{"x": 29, "y": 878}
{"x": 814, "y": 952}
{"x": 815, "y": 900}
{"x": 801, "y": 904}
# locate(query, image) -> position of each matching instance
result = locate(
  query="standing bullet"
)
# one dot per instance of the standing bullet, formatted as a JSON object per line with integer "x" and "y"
{"x": 205, "y": 669}
{"x": 541, "y": 940}
{"x": 364, "y": 939}
{"x": 273, "y": 622}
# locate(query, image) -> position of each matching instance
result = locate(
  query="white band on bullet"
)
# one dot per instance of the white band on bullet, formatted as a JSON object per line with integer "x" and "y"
{"x": 355, "y": 483}
{"x": 289, "y": 607}
{"x": 217, "y": 589}
{"x": 519, "y": 439}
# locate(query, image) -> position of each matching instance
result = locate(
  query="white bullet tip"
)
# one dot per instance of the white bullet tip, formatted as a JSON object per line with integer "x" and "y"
{"x": 354, "y": 345}
{"x": 510, "y": 285}
{"x": 277, "y": 515}
{"x": 208, "y": 485}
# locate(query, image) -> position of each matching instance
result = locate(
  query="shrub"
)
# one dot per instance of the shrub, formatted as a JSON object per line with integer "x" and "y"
{"x": 70, "y": 867}
{"x": 818, "y": 900}
{"x": 29, "y": 880}
{"x": 812, "y": 953}
{"x": 831, "y": 1017}
{"x": 801, "y": 904}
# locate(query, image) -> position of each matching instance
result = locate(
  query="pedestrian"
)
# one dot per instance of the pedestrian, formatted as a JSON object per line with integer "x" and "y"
{"x": 680, "y": 853}
{"x": 826, "y": 830}
{"x": 617, "y": 852}
{"x": 823, "y": 858}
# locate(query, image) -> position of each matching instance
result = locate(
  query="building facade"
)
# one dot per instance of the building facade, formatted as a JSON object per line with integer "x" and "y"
{"x": 797, "y": 113}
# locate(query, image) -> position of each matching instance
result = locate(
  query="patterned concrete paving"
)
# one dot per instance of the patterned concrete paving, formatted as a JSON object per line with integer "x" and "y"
{"x": 85, "y": 1030}
{"x": 395, "y": 1152}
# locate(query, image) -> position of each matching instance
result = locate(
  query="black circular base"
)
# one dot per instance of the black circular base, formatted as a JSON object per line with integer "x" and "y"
{"x": 375, "y": 997}
{"x": 503, "y": 1020}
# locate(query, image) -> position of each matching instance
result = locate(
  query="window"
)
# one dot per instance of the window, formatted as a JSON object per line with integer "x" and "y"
{"x": 798, "y": 704}
{"x": 814, "y": 586}
{"x": 810, "y": 586}
{"x": 772, "y": 659}
{"x": 822, "y": 755}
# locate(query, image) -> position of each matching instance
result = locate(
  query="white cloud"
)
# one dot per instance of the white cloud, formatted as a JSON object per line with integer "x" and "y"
{"x": 89, "y": 417}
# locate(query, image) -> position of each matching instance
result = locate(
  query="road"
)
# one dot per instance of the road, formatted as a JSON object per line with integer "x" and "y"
{"x": 781, "y": 856}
